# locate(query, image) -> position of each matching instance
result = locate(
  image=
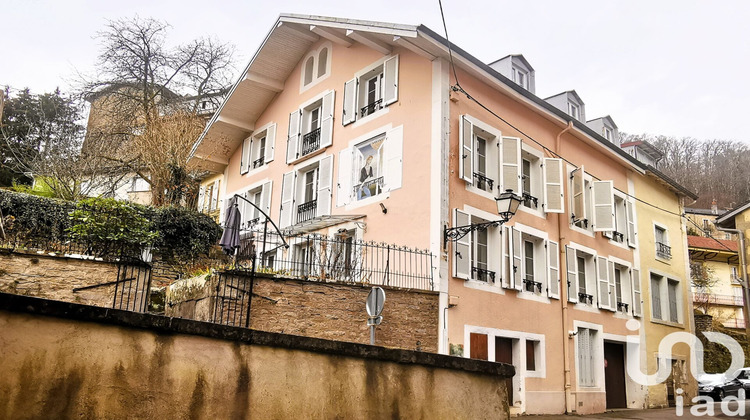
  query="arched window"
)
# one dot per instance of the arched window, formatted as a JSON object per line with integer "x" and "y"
{"x": 322, "y": 62}
{"x": 309, "y": 68}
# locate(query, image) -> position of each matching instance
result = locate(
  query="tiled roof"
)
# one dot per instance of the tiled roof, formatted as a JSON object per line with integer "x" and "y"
{"x": 711, "y": 243}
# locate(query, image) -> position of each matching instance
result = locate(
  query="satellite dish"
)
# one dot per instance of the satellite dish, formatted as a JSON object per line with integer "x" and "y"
{"x": 375, "y": 302}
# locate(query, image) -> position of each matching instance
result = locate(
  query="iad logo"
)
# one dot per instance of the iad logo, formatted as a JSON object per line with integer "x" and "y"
{"x": 704, "y": 405}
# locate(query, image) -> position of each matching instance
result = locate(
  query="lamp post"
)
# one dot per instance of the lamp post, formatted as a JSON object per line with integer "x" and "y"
{"x": 507, "y": 205}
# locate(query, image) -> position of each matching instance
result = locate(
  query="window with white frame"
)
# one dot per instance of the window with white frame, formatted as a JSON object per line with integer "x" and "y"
{"x": 661, "y": 242}
{"x": 306, "y": 192}
{"x": 521, "y": 77}
{"x": 316, "y": 66}
{"x": 371, "y": 90}
{"x": 258, "y": 149}
{"x": 532, "y": 263}
{"x": 666, "y": 298}
{"x": 620, "y": 232}
{"x": 471, "y": 253}
{"x": 139, "y": 184}
{"x": 531, "y": 179}
{"x": 592, "y": 202}
{"x": 607, "y": 133}
{"x": 586, "y": 354}
{"x": 581, "y": 275}
{"x": 208, "y": 197}
{"x": 305, "y": 258}
{"x": 310, "y": 127}
{"x": 574, "y": 110}
{"x": 260, "y": 196}
{"x": 480, "y": 158}
{"x": 371, "y": 167}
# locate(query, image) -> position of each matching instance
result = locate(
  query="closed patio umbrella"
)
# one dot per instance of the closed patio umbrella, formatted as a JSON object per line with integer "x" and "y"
{"x": 230, "y": 239}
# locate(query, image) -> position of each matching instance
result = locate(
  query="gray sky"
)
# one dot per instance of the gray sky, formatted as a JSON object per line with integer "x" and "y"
{"x": 673, "y": 67}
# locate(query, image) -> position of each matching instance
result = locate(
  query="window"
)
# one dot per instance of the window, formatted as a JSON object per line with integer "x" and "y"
{"x": 260, "y": 196}
{"x": 258, "y": 149}
{"x": 306, "y": 192}
{"x": 208, "y": 197}
{"x": 656, "y": 296}
{"x": 661, "y": 241}
{"x": 574, "y": 111}
{"x": 531, "y": 182}
{"x": 586, "y": 338}
{"x": 607, "y": 133}
{"x": 370, "y": 168}
{"x": 666, "y": 298}
{"x": 479, "y": 165}
{"x": 622, "y": 224}
{"x": 371, "y": 90}
{"x": 581, "y": 276}
{"x": 672, "y": 293}
{"x": 139, "y": 184}
{"x": 479, "y": 266}
{"x": 310, "y": 127}
{"x": 483, "y": 182}
{"x": 592, "y": 202}
{"x": 471, "y": 253}
{"x": 735, "y": 276}
{"x": 305, "y": 257}
{"x": 532, "y": 263}
{"x": 521, "y": 77}
{"x": 532, "y": 347}
{"x": 316, "y": 66}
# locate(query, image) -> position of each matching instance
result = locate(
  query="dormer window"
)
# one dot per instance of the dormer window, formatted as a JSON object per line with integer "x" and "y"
{"x": 607, "y": 133}
{"x": 316, "y": 67}
{"x": 574, "y": 111}
{"x": 521, "y": 77}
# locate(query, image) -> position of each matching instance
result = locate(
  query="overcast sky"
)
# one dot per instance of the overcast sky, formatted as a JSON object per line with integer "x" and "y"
{"x": 672, "y": 67}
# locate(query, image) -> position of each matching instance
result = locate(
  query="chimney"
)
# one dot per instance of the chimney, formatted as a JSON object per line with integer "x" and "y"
{"x": 714, "y": 207}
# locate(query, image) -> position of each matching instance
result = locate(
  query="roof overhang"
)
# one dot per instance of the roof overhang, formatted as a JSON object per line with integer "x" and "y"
{"x": 726, "y": 220}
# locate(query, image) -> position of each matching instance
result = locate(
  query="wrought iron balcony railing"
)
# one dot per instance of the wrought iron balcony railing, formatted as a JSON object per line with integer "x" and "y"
{"x": 377, "y": 183}
{"x": 482, "y": 182}
{"x": 310, "y": 142}
{"x": 482, "y": 275}
{"x": 306, "y": 211}
{"x": 618, "y": 236}
{"x": 663, "y": 251}
{"x": 257, "y": 163}
{"x": 583, "y": 297}
{"x": 371, "y": 108}
{"x": 530, "y": 201}
{"x": 622, "y": 306}
{"x": 530, "y": 285}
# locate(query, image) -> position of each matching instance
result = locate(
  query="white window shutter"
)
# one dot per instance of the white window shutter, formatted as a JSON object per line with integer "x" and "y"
{"x": 247, "y": 147}
{"x": 350, "y": 102}
{"x": 326, "y": 124}
{"x": 517, "y": 269}
{"x": 604, "y": 206}
{"x": 602, "y": 276}
{"x": 630, "y": 214}
{"x": 390, "y": 80}
{"x": 466, "y": 159}
{"x": 265, "y": 198}
{"x": 578, "y": 197}
{"x": 553, "y": 187}
{"x": 462, "y": 248}
{"x": 393, "y": 155}
{"x": 635, "y": 278}
{"x": 270, "y": 143}
{"x": 325, "y": 185}
{"x": 215, "y": 196}
{"x": 344, "y": 183}
{"x": 612, "y": 287}
{"x": 201, "y": 194}
{"x": 507, "y": 276}
{"x": 287, "y": 199}
{"x": 510, "y": 172}
{"x": 571, "y": 266}
{"x": 293, "y": 137}
{"x": 553, "y": 269}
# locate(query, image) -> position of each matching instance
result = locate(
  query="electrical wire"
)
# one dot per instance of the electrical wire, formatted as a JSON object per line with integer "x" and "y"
{"x": 450, "y": 50}
{"x": 709, "y": 235}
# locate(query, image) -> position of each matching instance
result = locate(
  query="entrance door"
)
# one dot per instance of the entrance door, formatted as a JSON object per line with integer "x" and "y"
{"x": 504, "y": 354}
{"x": 614, "y": 375}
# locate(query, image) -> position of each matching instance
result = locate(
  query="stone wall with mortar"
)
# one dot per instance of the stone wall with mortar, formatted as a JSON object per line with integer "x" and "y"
{"x": 333, "y": 311}
{"x": 63, "y": 360}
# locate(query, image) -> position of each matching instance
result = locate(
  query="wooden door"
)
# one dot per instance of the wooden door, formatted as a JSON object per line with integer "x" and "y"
{"x": 504, "y": 354}
{"x": 614, "y": 375}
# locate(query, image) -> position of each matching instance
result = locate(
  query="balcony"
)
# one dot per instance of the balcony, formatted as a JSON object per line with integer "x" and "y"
{"x": 530, "y": 201}
{"x": 713, "y": 299}
{"x": 663, "y": 251}
{"x": 482, "y": 274}
{"x": 735, "y": 323}
{"x": 622, "y": 307}
{"x": 618, "y": 237}
{"x": 371, "y": 108}
{"x": 584, "y": 298}
{"x": 257, "y": 163}
{"x": 307, "y": 211}
{"x": 310, "y": 142}
{"x": 482, "y": 182}
{"x": 529, "y": 285}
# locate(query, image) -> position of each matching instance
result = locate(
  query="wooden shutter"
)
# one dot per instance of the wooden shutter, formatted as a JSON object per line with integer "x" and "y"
{"x": 466, "y": 159}
{"x": 602, "y": 277}
{"x": 393, "y": 156}
{"x": 613, "y": 286}
{"x": 201, "y": 194}
{"x": 247, "y": 147}
{"x": 553, "y": 269}
{"x": 344, "y": 183}
{"x": 635, "y": 278}
{"x": 510, "y": 172}
{"x": 326, "y": 124}
{"x": 462, "y": 248}
{"x": 571, "y": 266}
{"x": 295, "y": 118}
{"x": 553, "y": 188}
{"x": 390, "y": 80}
{"x": 517, "y": 268}
{"x": 583, "y": 355}
{"x": 579, "y": 203}
{"x": 215, "y": 196}
{"x": 630, "y": 214}
{"x": 265, "y": 198}
{"x": 325, "y": 184}
{"x": 507, "y": 276}
{"x": 350, "y": 102}
{"x": 287, "y": 199}
{"x": 270, "y": 143}
{"x": 604, "y": 206}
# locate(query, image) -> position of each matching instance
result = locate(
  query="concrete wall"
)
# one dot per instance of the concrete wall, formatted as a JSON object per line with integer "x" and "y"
{"x": 64, "y": 360}
{"x": 333, "y": 311}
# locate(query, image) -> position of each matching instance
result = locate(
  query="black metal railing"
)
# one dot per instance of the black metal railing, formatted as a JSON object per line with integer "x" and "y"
{"x": 530, "y": 201}
{"x": 306, "y": 211}
{"x": 618, "y": 236}
{"x": 663, "y": 251}
{"x": 482, "y": 182}
{"x": 310, "y": 142}
{"x": 257, "y": 163}
{"x": 583, "y": 297}
{"x": 530, "y": 285}
{"x": 371, "y": 107}
{"x": 369, "y": 188}
{"x": 338, "y": 258}
{"x": 622, "y": 306}
{"x": 482, "y": 274}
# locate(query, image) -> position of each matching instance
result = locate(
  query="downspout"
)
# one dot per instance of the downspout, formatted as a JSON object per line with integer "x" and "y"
{"x": 564, "y": 301}
{"x": 745, "y": 290}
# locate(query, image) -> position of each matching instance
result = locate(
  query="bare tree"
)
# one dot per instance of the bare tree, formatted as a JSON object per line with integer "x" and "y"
{"x": 702, "y": 280}
{"x": 149, "y": 102}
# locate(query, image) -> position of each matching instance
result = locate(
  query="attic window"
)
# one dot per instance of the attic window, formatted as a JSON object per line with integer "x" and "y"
{"x": 574, "y": 111}
{"x": 316, "y": 67}
{"x": 607, "y": 133}
{"x": 521, "y": 77}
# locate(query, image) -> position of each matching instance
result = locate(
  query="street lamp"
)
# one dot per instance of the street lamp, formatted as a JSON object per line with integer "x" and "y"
{"x": 507, "y": 205}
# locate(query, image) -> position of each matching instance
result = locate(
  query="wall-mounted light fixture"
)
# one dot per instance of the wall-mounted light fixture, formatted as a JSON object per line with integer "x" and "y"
{"x": 507, "y": 205}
